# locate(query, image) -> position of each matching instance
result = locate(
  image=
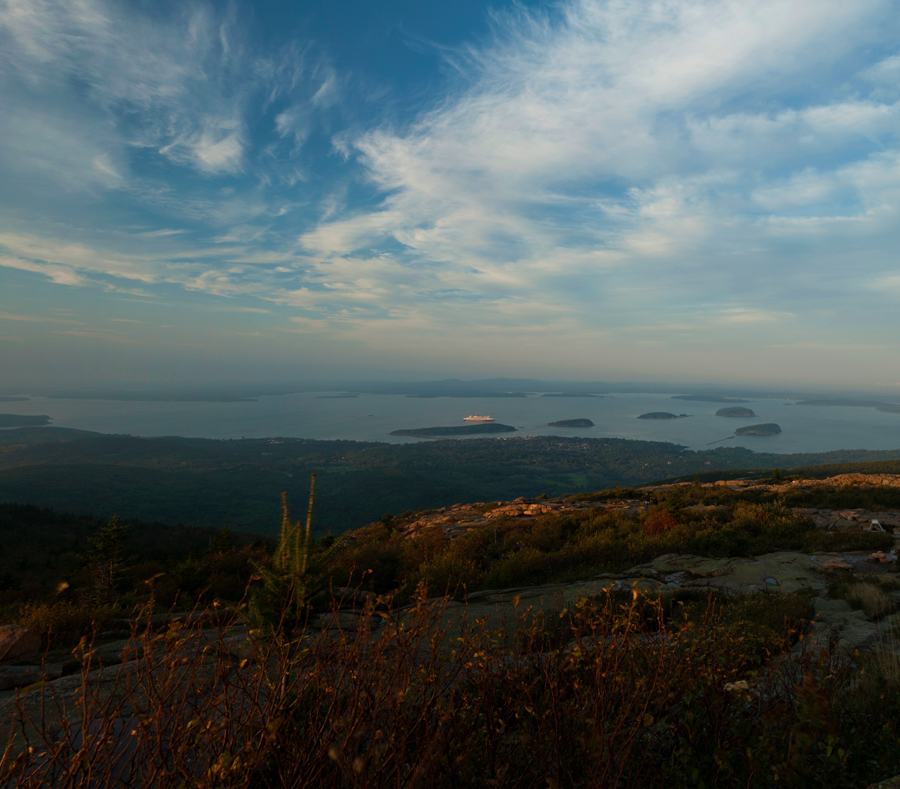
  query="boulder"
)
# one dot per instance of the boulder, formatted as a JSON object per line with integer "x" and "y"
{"x": 844, "y": 524}
{"x": 837, "y": 564}
{"x": 19, "y": 644}
{"x": 347, "y": 597}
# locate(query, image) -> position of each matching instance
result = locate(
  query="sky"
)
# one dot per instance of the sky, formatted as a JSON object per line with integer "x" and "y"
{"x": 404, "y": 189}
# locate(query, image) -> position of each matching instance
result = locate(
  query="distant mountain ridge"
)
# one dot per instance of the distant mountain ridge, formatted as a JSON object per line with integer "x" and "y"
{"x": 447, "y": 387}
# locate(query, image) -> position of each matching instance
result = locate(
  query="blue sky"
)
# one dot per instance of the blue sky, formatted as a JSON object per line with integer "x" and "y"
{"x": 669, "y": 190}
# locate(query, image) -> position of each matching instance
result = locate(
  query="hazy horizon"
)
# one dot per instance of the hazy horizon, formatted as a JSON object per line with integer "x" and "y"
{"x": 204, "y": 194}
{"x": 447, "y": 386}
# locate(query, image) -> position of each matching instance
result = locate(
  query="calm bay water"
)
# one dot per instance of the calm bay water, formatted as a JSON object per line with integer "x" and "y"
{"x": 373, "y": 417}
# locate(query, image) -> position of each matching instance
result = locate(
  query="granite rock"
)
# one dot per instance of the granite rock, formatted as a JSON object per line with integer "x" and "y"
{"x": 19, "y": 644}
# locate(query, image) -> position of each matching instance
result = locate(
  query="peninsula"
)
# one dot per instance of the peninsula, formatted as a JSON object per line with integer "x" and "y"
{"x": 20, "y": 420}
{"x": 456, "y": 430}
{"x": 571, "y": 423}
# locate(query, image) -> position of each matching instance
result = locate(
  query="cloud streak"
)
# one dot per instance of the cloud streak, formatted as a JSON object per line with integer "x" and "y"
{"x": 588, "y": 169}
{"x": 607, "y": 142}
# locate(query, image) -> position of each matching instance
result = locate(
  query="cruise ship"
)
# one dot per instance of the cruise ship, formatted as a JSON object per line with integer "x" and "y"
{"x": 476, "y": 418}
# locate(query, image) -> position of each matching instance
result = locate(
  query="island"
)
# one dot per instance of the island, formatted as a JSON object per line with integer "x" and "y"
{"x": 570, "y": 394}
{"x": 662, "y": 415}
{"x": 768, "y": 429}
{"x": 571, "y": 423}
{"x": 735, "y": 411}
{"x": 19, "y": 420}
{"x": 12, "y": 399}
{"x": 456, "y": 430}
{"x": 337, "y": 397}
{"x": 708, "y": 398}
{"x": 470, "y": 395}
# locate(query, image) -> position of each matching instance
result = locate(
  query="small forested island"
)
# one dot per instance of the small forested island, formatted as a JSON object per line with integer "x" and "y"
{"x": 456, "y": 430}
{"x": 19, "y": 420}
{"x": 768, "y": 429}
{"x": 571, "y": 423}
{"x": 735, "y": 411}
{"x": 662, "y": 415}
{"x": 12, "y": 399}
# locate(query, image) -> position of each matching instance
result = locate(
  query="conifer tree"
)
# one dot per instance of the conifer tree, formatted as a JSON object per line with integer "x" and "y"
{"x": 105, "y": 560}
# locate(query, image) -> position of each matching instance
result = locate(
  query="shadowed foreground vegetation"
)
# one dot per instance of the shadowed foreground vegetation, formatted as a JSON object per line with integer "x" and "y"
{"x": 619, "y": 693}
{"x": 619, "y": 690}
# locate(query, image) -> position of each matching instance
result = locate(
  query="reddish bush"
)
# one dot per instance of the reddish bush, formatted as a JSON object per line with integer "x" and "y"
{"x": 660, "y": 523}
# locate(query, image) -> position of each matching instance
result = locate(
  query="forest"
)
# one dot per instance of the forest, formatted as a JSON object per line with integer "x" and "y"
{"x": 237, "y": 483}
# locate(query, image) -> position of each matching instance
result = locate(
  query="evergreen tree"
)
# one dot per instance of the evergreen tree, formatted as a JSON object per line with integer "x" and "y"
{"x": 105, "y": 560}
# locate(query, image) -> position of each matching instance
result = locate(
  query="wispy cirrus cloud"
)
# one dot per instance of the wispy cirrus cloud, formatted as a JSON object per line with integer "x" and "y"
{"x": 585, "y": 169}
{"x": 11, "y": 316}
{"x": 610, "y": 142}
{"x": 87, "y": 85}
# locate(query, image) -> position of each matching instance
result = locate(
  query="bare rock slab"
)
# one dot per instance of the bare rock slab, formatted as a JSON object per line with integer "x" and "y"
{"x": 19, "y": 676}
{"x": 19, "y": 644}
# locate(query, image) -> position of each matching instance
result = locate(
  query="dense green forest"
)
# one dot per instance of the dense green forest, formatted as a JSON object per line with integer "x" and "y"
{"x": 203, "y": 482}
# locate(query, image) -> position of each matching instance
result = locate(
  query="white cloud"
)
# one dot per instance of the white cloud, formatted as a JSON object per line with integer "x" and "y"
{"x": 645, "y": 147}
{"x": 182, "y": 81}
{"x": 294, "y": 122}
{"x": 596, "y": 165}
{"x": 11, "y": 316}
{"x": 218, "y": 148}
{"x": 742, "y": 315}
{"x": 61, "y": 275}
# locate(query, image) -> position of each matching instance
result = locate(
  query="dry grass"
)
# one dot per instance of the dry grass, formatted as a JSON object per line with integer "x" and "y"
{"x": 887, "y": 661}
{"x": 870, "y": 597}
{"x": 62, "y": 621}
{"x": 628, "y": 702}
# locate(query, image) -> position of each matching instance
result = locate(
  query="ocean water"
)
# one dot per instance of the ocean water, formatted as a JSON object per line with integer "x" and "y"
{"x": 373, "y": 417}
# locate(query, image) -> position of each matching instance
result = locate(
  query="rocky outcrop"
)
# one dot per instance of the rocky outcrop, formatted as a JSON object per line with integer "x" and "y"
{"x": 774, "y": 573}
{"x": 459, "y": 518}
{"x": 18, "y": 644}
{"x": 20, "y": 676}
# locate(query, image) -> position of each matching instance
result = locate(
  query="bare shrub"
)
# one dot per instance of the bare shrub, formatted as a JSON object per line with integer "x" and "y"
{"x": 617, "y": 696}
